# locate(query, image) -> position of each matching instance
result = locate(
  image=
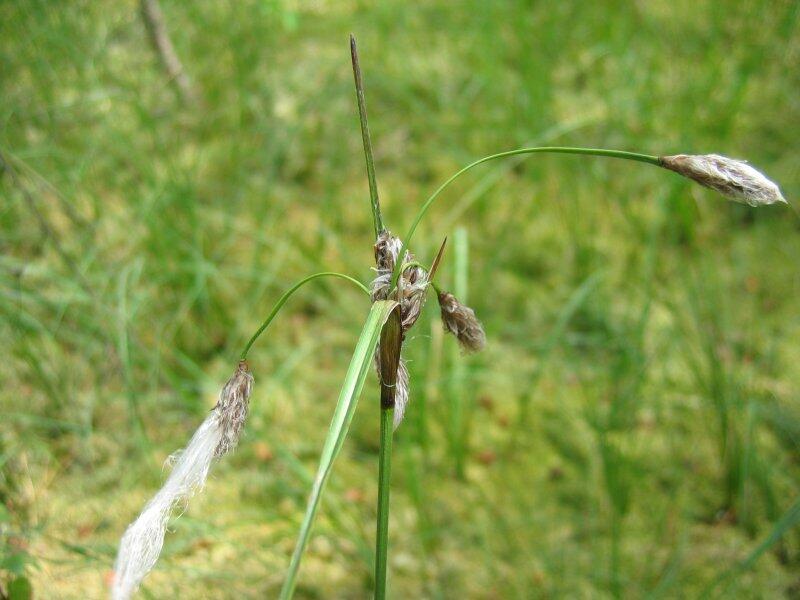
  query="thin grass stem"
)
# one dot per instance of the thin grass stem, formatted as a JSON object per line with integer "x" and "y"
{"x": 287, "y": 294}
{"x": 458, "y": 396}
{"x": 389, "y": 360}
{"x": 384, "y": 485}
{"x": 635, "y": 156}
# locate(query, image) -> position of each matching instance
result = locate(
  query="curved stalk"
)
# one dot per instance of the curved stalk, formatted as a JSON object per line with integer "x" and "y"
{"x": 635, "y": 156}
{"x": 282, "y": 300}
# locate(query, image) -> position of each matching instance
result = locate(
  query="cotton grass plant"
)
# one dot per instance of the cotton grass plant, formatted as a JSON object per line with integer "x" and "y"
{"x": 397, "y": 293}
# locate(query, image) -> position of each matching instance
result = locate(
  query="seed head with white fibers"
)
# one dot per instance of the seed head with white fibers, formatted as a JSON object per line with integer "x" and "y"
{"x": 734, "y": 179}
{"x": 217, "y": 435}
{"x": 460, "y": 320}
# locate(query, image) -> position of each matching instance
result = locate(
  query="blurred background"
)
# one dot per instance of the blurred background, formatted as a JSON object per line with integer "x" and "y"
{"x": 632, "y": 428}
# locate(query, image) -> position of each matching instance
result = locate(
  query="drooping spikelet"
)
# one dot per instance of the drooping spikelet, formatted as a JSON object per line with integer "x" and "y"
{"x": 231, "y": 408}
{"x": 734, "y": 179}
{"x": 460, "y": 320}
{"x": 216, "y": 436}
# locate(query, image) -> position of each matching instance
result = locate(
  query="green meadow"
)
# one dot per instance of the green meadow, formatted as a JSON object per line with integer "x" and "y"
{"x": 632, "y": 429}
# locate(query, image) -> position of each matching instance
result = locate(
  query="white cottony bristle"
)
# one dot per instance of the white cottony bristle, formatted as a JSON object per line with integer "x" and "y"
{"x": 400, "y": 394}
{"x": 141, "y": 544}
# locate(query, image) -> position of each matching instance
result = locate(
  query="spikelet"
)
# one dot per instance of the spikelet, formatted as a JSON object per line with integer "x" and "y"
{"x": 216, "y": 436}
{"x": 410, "y": 294}
{"x": 411, "y": 285}
{"x": 387, "y": 247}
{"x": 231, "y": 408}
{"x": 734, "y": 179}
{"x": 460, "y": 320}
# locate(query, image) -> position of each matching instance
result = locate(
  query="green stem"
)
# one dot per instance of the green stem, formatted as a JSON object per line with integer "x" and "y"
{"x": 645, "y": 158}
{"x": 377, "y": 219}
{"x": 282, "y": 300}
{"x": 384, "y": 477}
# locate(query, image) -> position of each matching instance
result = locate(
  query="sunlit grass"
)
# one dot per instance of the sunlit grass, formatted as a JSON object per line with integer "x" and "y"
{"x": 628, "y": 314}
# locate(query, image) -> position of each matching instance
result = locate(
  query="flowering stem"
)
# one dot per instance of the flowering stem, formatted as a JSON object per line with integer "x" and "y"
{"x": 377, "y": 219}
{"x": 282, "y": 300}
{"x": 635, "y": 156}
{"x": 384, "y": 477}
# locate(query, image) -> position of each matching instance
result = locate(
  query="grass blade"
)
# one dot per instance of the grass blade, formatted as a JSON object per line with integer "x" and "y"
{"x": 789, "y": 520}
{"x": 458, "y": 388}
{"x": 340, "y": 424}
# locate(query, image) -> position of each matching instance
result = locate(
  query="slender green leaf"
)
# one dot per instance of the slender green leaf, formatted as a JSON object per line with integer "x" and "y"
{"x": 340, "y": 424}
{"x": 789, "y": 520}
{"x": 20, "y": 589}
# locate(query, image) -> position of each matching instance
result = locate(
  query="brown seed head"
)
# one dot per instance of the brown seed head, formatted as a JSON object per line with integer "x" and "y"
{"x": 734, "y": 179}
{"x": 460, "y": 320}
{"x": 231, "y": 408}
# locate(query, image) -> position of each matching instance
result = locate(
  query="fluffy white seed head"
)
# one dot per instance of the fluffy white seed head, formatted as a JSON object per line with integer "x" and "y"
{"x": 141, "y": 545}
{"x": 734, "y": 179}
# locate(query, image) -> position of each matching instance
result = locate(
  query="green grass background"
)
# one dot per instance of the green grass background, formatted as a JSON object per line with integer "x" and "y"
{"x": 632, "y": 429}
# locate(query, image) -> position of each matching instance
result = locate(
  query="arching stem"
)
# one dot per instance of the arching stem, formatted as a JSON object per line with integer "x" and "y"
{"x": 287, "y": 294}
{"x": 645, "y": 158}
